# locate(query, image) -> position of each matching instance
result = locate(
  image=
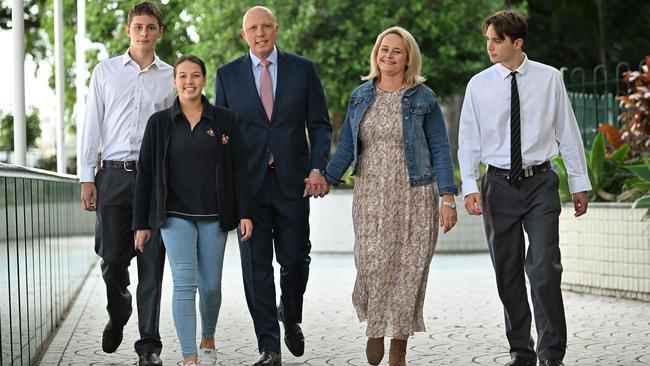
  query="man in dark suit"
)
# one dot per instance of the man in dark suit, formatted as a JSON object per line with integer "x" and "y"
{"x": 275, "y": 95}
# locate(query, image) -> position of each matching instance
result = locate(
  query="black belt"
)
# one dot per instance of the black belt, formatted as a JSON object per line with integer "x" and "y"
{"x": 526, "y": 172}
{"x": 128, "y": 165}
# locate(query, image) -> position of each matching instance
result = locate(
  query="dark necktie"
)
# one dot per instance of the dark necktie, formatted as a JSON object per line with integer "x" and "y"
{"x": 515, "y": 130}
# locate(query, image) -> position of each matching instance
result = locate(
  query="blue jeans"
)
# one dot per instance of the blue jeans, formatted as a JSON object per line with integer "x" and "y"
{"x": 195, "y": 251}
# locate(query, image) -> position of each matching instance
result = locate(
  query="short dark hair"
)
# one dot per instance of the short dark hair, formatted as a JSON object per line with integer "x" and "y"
{"x": 148, "y": 8}
{"x": 507, "y": 23}
{"x": 192, "y": 59}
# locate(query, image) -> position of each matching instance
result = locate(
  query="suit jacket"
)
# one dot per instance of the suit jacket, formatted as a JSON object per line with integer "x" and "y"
{"x": 299, "y": 103}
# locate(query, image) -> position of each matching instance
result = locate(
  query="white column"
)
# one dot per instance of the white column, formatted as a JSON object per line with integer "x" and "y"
{"x": 80, "y": 74}
{"x": 20, "y": 127}
{"x": 59, "y": 73}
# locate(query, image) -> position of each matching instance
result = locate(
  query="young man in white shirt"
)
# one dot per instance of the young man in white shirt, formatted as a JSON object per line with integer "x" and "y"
{"x": 516, "y": 117}
{"x": 124, "y": 92}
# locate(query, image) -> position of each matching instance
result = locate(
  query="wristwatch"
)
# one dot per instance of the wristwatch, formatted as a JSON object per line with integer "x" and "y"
{"x": 319, "y": 171}
{"x": 451, "y": 204}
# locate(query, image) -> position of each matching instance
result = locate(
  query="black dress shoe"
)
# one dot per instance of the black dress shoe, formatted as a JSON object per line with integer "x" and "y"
{"x": 293, "y": 337}
{"x": 519, "y": 361}
{"x": 551, "y": 363}
{"x": 149, "y": 359}
{"x": 269, "y": 359}
{"x": 111, "y": 338}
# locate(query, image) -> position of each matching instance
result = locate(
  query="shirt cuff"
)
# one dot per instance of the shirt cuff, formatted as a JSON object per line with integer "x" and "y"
{"x": 87, "y": 175}
{"x": 469, "y": 187}
{"x": 579, "y": 184}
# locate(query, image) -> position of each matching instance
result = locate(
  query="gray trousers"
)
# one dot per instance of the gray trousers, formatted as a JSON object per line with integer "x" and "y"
{"x": 533, "y": 205}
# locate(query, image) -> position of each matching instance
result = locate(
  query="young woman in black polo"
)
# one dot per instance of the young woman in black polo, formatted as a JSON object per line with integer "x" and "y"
{"x": 192, "y": 184}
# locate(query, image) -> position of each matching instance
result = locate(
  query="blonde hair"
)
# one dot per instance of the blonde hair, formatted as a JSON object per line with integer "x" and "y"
{"x": 412, "y": 75}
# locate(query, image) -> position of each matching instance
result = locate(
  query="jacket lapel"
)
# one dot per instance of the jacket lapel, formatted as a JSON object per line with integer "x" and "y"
{"x": 283, "y": 74}
{"x": 246, "y": 70}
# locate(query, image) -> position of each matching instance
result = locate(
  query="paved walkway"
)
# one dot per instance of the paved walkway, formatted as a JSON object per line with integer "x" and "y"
{"x": 463, "y": 318}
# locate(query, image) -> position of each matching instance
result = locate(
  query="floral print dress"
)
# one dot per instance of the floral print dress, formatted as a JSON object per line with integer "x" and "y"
{"x": 395, "y": 225}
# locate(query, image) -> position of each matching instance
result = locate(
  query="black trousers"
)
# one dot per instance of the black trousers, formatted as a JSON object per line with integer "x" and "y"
{"x": 283, "y": 225}
{"x": 114, "y": 243}
{"x": 533, "y": 206}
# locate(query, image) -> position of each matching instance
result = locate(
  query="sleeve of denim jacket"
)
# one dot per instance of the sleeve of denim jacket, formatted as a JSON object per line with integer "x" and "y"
{"x": 344, "y": 152}
{"x": 436, "y": 134}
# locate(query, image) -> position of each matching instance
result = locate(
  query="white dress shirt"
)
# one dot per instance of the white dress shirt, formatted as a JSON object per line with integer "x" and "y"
{"x": 120, "y": 100}
{"x": 273, "y": 69}
{"x": 547, "y": 120}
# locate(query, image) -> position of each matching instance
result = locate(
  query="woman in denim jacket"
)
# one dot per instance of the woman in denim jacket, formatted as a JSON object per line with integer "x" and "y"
{"x": 394, "y": 138}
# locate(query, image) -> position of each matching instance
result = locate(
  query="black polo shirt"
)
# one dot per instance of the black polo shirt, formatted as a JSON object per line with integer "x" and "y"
{"x": 192, "y": 169}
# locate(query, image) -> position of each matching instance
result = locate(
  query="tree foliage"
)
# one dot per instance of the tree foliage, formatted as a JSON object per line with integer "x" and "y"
{"x": 7, "y": 129}
{"x": 337, "y": 34}
{"x": 587, "y": 33}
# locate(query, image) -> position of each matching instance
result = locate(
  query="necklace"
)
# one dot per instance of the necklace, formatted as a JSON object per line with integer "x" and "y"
{"x": 192, "y": 114}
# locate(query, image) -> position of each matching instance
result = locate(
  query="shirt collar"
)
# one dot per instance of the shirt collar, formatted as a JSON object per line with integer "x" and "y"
{"x": 504, "y": 72}
{"x": 273, "y": 57}
{"x": 126, "y": 58}
{"x": 176, "y": 108}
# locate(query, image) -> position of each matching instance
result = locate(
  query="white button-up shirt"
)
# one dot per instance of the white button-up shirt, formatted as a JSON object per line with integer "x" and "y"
{"x": 547, "y": 120}
{"x": 120, "y": 100}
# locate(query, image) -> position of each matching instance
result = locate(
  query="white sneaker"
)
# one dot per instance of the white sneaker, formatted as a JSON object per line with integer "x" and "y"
{"x": 207, "y": 357}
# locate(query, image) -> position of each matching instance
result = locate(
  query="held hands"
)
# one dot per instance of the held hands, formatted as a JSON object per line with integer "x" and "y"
{"x": 141, "y": 239}
{"x": 580, "y": 202}
{"x": 315, "y": 185}
{"x": 473, "y": 204}
{"x": 448, "y": 215}
{"x": 89, "y": 196}
{"x": 246, "y": 229}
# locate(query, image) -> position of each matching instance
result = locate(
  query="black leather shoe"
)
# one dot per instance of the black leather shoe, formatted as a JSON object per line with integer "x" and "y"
{"x": 551, "y": 363}
{"x": 269, "y": 359}
{"x": 149, "y": 359}
{"x": 293, "y": 337}
{"x": 519, "y": 361}
{"x": 111, "y": 338}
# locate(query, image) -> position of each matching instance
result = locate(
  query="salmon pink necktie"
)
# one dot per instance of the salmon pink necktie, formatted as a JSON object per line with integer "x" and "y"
{"x": 266, "y": 88}
{"x": 266, "y": 95}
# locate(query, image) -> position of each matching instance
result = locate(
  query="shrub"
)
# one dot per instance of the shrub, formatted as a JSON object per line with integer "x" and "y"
{"x": 636, "y": 131}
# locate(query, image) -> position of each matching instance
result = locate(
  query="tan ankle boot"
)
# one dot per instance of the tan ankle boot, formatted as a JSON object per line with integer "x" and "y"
{"x": 397, "y": 353}
{"x": 375, "y": 350}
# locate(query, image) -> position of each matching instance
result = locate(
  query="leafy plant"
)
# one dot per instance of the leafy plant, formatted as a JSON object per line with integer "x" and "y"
{"x": 643, "y": 202}
{"x": 347, "y": 180}
{"x": 643, "y": 172}
{"x": 636, "y": 131}
{"x": 607, "y": 172}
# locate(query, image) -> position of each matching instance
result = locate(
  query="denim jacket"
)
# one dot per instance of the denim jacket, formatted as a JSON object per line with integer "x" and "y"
{"x": 426, "y": 146}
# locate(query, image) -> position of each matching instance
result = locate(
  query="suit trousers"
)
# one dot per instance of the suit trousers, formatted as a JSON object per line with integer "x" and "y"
{"x": 114, "y": 243}
{"x": 531, "y": 205}
{"x": 281, "y": 224}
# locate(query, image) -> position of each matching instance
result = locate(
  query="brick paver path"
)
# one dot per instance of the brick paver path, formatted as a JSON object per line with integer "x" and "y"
{"x": 463, "y": 317}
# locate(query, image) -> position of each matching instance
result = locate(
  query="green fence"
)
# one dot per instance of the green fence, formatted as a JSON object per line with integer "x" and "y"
{"x": 593, "y": 96}
{"x": 46, "y": 251}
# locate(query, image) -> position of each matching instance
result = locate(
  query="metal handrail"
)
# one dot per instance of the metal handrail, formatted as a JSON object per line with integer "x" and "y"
{"x": 10, "y": 170}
